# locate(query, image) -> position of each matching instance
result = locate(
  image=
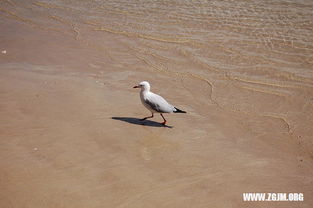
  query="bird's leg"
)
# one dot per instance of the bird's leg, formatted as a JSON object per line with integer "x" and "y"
{"x": 146, "y": 117}
{"x": 164, "y": 122}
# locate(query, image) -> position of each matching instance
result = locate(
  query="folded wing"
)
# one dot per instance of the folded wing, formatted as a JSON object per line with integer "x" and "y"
{"x": 159, "y": 104}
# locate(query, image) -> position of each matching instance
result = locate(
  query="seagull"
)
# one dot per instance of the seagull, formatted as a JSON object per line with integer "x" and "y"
{"x": 155, "y": 103}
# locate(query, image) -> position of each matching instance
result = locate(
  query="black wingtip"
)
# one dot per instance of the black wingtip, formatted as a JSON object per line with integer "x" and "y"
{"x": 179, "y": 111}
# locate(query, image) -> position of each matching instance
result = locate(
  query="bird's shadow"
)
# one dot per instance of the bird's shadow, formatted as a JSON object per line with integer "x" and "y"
{"x": 138, "y": 121}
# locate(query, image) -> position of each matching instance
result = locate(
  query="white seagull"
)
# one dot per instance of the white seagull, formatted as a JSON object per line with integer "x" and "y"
{"x": 155, "y": 103}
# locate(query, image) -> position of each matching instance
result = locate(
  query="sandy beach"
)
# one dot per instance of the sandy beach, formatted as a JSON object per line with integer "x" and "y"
{"x": 70, "y": 134}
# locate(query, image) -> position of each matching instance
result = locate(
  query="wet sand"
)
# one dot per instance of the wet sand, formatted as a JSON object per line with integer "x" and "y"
{"x": 70, "y": 134}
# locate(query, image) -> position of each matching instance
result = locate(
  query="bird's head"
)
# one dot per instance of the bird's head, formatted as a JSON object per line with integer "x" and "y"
{"x": 144, "y": 85}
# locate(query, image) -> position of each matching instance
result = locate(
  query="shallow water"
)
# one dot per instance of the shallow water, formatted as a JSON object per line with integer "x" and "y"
{"x": 252, "y": 42}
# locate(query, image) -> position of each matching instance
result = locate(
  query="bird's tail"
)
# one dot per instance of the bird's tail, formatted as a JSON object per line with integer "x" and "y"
{"x": 179, "y": 111}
